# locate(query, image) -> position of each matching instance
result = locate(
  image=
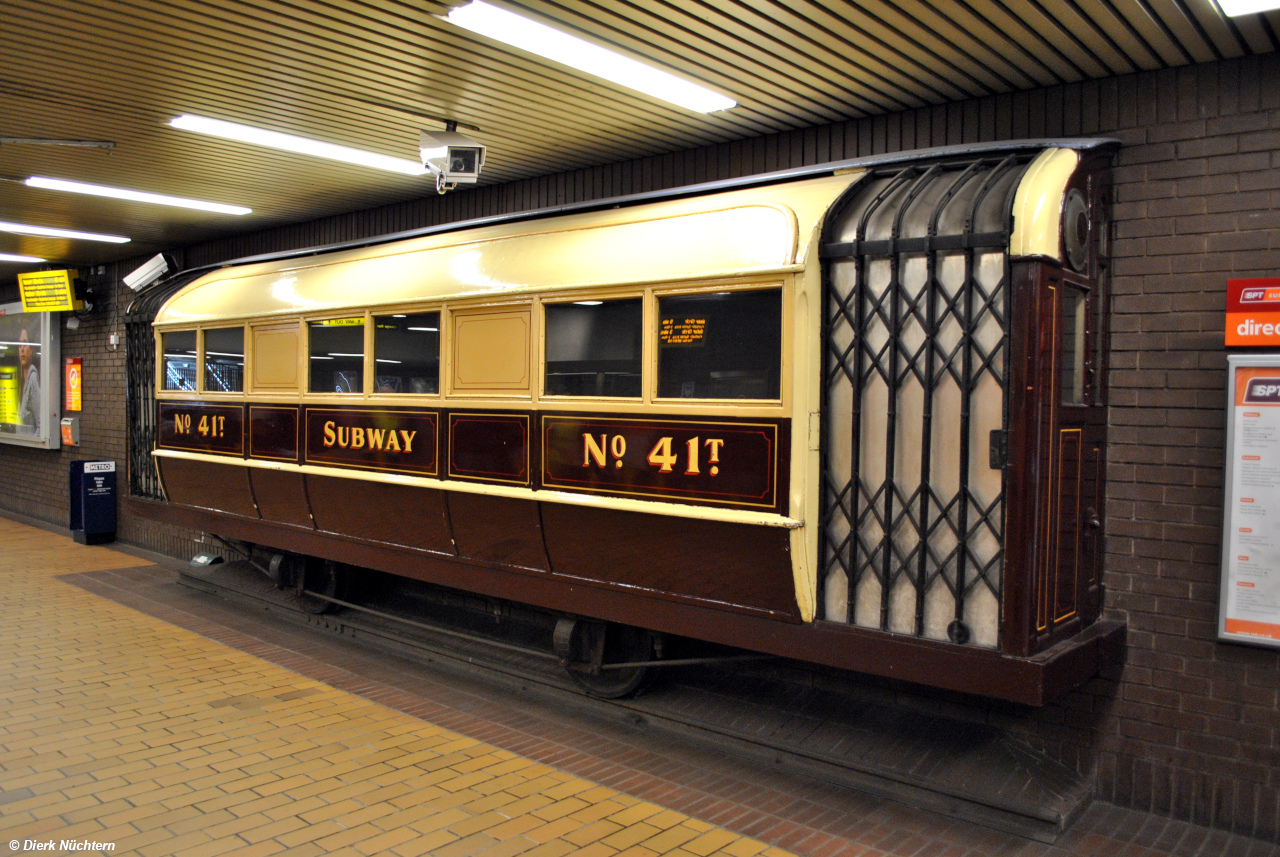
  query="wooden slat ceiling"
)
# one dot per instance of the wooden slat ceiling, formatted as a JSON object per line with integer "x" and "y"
{"x": 371, "y": 73}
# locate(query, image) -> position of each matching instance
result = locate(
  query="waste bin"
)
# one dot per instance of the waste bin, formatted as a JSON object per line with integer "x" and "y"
{"x": 93, "y": 502}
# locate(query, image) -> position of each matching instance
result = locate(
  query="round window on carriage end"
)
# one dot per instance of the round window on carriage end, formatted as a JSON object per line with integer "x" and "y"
{"x": 720, "y": 345}
{"x": 1075, "y": 229}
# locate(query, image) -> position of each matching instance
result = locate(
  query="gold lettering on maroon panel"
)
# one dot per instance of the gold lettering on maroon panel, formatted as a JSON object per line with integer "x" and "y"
{"x": 398, "y": 441}
{"x": 198, "y": 427}
{"x": 726, "y": 463}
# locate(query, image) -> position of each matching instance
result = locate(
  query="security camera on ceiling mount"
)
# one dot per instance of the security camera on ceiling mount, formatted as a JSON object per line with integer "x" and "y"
{"x": 454, "y": 158}
{"x": 153, "y": 269}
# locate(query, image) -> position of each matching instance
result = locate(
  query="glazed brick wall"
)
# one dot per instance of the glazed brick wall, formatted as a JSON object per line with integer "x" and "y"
{"x": 1188, "y": 726}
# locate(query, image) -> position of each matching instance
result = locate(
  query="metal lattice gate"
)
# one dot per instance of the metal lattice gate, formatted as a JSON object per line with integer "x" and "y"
{"x": 140, "y": 385}
{"x": 917, "y": 285}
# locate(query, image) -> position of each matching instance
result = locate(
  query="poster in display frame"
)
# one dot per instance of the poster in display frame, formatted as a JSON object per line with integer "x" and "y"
{"x": 30, "y": 378}
{"x": 1249, "y": 603}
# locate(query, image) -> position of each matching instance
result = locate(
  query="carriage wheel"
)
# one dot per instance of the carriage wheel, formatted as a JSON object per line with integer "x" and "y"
{"x": 587, "y": 649}
{"x": 321, "y": 576}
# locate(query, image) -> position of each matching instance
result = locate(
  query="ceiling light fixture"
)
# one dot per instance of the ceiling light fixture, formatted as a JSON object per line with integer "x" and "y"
{"x": 1236, "y": 8}
{"x": 558, "y": 46}
{"x": 300, "y": 145}
{"x": 10, "y": 257}
{"x": 50, "y": 232}
{"x": 135, "y": 195}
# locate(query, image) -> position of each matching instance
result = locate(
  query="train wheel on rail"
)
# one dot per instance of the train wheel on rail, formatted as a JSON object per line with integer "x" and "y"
{"x": 313, "y": 576}
{"x": 592, "y": 653}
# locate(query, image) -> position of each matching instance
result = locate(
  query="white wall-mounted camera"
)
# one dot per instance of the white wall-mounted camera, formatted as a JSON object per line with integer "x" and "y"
{"x": 454, "y": 158}
{"x": 153, "y": 269}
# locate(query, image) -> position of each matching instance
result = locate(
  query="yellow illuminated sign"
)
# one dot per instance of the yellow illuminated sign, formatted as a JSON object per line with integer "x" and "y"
{"x": 340, "y": 322}
{"x": 686, "y": 331}
{"x": 9, "y": 394}
{"x": 48, "y": 291}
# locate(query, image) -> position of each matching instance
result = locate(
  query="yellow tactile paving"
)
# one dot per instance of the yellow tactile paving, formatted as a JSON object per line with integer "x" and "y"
{"x": 116, "y": 727}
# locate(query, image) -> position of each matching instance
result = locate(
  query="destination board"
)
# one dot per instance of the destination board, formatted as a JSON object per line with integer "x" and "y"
{"x": 48, "y": 291}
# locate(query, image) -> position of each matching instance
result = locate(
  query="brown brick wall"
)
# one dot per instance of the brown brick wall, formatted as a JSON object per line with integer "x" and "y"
{"x": 1189, "y": 726}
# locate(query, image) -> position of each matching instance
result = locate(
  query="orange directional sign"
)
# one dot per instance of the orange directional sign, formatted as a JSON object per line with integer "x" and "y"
{"x": 1253, "y": 312}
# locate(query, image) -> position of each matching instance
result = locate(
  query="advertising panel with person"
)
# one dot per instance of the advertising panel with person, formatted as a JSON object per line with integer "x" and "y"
{"x": 26, "y": 342}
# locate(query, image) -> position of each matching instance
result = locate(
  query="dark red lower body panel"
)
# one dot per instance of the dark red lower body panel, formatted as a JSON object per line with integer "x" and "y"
{"x": 733, "y": 567}
{"x": 1031, "y": 681}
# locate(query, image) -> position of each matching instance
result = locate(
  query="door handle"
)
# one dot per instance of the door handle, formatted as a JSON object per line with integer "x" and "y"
{"x": 1091, "y": 519}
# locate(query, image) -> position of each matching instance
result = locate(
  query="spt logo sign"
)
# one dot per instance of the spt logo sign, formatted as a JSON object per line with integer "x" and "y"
{"x": 1260, "y": 296}
{"x": 1262, "y": 391}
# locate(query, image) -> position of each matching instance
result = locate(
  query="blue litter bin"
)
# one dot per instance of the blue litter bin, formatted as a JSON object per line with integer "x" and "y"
{"x": 93, "y": 502}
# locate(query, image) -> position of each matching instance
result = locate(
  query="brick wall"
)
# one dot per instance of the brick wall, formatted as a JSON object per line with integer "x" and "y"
{"x": 1189, "y": 726}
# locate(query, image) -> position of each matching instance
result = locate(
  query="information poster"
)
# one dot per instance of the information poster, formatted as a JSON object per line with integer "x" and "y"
{"x": 73, "y": 375}
{"x": 1249, "y": 609}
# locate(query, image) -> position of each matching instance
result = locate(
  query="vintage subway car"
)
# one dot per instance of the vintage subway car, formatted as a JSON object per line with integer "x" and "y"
{"x": 850, "y": 414}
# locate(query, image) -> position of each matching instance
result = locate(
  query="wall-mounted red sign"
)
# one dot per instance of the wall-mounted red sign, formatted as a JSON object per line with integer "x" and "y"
{"x": 1253, "y": 312}
{"x": 72, "y": 383}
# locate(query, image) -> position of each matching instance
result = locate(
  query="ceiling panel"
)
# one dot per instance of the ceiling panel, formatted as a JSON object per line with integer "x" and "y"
{"x": 372, "y": 73}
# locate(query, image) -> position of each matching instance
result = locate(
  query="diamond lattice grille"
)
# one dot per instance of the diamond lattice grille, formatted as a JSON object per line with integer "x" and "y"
{"x": 916, "y": 300}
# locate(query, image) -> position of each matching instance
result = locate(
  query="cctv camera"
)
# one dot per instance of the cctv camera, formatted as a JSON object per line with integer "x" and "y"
{"x": 452, "y": 157}
{"x": 153, "y": 269}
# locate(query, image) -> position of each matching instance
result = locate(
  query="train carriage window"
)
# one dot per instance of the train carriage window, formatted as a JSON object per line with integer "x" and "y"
{"x": 726, "y": 345}
{"x": 224, "y": 360}
{"x": 179, "y": 365}
{"x": 336, "y": 349}
{"x": 406, "y": 353}
{"x": 1073, "y": 345}
{"x": 593, "y": 348}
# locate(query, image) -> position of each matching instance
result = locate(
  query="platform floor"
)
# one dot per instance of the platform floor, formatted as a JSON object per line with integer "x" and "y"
{"x": 137, "y": 713}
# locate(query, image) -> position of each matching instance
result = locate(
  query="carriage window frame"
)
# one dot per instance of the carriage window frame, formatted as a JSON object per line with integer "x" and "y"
{"x": 371, "y": 342}
{"x": 654, "y": 364}
{"x": 309, "y": 324}
{"x": 1074, "y": 357}
{"x": 162, "y": 374}
{"x": 643, "y": 361}
{"x": 204, "y": 361}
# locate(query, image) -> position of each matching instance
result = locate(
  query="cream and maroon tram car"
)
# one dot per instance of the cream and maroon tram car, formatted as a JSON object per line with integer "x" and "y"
{"x": 850, "y": 414}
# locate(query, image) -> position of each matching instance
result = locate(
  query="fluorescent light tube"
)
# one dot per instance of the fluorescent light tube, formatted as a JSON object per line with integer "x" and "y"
{"x": 135, "y": 195}
{"x": 301, "y": 145}
{"x": 558, "y": 46}
{"x": 1235, "y": 8}
{"x": 50, "y": 232}
{"x": 10, "y": 257}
